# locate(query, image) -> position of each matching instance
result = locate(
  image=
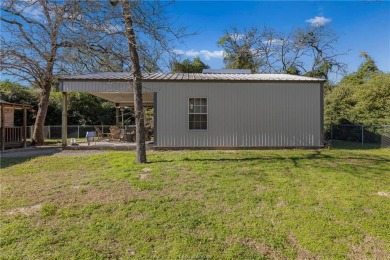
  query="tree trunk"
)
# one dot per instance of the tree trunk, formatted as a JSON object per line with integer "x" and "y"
{"x": 38, "y": 135}
{"x": 137, "y": 83}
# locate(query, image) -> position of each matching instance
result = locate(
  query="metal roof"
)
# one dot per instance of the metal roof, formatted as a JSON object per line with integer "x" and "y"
{"x": 156, "y": 77}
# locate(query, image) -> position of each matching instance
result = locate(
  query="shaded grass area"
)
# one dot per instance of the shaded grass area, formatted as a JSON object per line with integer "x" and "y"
{"x": 198, "y": 204}
{"x": 340, "y": 144}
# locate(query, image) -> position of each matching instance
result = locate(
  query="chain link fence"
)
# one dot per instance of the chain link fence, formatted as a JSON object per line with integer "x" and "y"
{"x": 74, "y": 131}
{"x": 355, "y": 136}
{"x": 343, "y": 136}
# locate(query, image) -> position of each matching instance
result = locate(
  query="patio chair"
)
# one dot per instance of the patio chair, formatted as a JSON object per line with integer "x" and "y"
{"x": 101, "y": 135}
{"x": 115, "y": 134}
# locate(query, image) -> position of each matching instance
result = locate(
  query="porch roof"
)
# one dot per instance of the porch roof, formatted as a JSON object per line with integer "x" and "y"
{"x": 15, "y": 106}
{"x": 125, "y": 98}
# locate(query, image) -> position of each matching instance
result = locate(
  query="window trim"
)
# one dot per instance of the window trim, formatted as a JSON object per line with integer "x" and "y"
{"x": 189, "y": 113}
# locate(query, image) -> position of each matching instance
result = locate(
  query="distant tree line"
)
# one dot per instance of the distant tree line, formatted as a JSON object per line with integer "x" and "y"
{"x": 309, "y": 51}
{"x": 84, "y": 109}
{"x": 362, "y": 97}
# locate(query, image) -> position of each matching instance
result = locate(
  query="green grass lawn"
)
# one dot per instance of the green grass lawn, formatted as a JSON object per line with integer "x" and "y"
{"x": 198, "y": 205}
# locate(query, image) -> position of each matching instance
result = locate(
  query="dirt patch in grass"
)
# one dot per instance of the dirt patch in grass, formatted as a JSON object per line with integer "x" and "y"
{"x": 117, "y": 191}
{"x": 358, "y": 162}
{"x": 260, "y": 188}
{"x": 28, "y": 211}
{"x": 369, "y": 248}
{"x": 262, "y": 248}
{"x": 259, "y": 247}
{"x": 331, "y": 164}
{"x": 142, "y": 176}
{"x": 281, "y": 203}
{"x": 384, "y": 194}
{"x": 302, "y": 253}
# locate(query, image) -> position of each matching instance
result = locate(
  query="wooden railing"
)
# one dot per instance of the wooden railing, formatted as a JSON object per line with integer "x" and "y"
{"x": 14, "y": 134}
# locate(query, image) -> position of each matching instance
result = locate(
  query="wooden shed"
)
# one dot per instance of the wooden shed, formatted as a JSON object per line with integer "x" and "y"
{"x": 11, "y": 135}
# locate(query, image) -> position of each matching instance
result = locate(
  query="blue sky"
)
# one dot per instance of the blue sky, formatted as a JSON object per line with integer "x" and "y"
{"x": 361, "y": 25}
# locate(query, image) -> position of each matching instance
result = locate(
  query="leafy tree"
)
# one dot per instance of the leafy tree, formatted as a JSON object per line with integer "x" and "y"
{"x": 367, "y": 103}
{"x": 365, "y": 72}
{"x": 240, "y": 50}
{"x": 83, "y": 108}
{"x": 188, "y": 66}
{"x": 362, "y": 97}
{"x": 293, "y": 71}
{"x": 16, "y": 93}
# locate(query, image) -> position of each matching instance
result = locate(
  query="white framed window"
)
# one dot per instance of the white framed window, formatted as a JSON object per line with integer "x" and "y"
{"x": 197, "y": 113}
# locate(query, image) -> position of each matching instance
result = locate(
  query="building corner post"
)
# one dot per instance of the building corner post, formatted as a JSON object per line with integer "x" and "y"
{"x": 64, "y": 118}
{"x": 322, "y": 132}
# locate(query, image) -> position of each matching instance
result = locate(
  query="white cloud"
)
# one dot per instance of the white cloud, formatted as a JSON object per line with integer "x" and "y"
{"x": 318, "y": 21}
{"x": 212, "y": 54}
{"x": 179, "y": 52}
{"x": 192, "y": 53}
{"x": 207, "y": 55}
{"x": 275, "y": 41}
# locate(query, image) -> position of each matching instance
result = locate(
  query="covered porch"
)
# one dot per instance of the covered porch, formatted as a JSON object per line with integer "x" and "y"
{"x": 118, "y": 92}
{"x": 110, "y": 146}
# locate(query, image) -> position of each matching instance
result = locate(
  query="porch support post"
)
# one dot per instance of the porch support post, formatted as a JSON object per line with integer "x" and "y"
{"x": 2, "y": 127}
{"x": 116, "y": 115}
{"x": 24, "y": 127}
{"x": 64, "y": 118}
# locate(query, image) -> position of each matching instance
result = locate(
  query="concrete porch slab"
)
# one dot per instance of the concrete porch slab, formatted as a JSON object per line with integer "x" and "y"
{"x": 109, "y": 146}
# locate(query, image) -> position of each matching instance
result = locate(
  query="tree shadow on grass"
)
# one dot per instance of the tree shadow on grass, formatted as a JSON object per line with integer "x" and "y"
{"x": 370, "y": 164}
{"x": 8, "y": 159}
{"x": 314, "y": 155}
{"x": 7, "y": 162}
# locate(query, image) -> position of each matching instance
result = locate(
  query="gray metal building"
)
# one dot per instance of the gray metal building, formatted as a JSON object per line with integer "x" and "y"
{"x": 217, "y": 110}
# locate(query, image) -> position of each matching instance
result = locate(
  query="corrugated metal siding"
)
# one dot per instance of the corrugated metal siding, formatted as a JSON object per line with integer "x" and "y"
{"x": 103, "y": 86}
{"x": 241, "y": 114}
{"x": 96, "y": 86}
